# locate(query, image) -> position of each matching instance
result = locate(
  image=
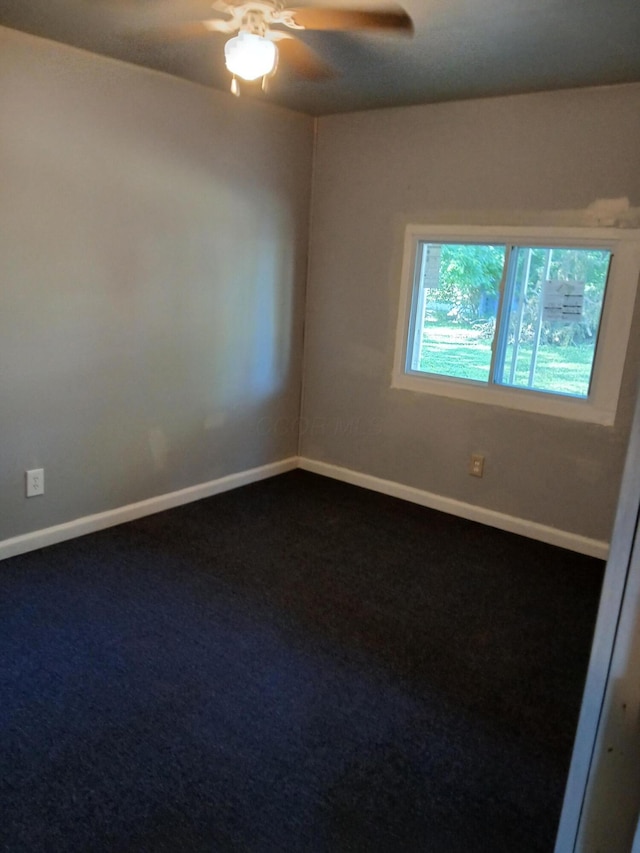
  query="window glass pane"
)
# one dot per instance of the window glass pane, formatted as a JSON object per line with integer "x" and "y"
{"x": 553, "y": 305}
{"x": 456, "y": 300}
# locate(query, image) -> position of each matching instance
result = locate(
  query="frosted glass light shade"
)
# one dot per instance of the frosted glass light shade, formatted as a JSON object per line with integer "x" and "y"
{"x": 250, "y": 56}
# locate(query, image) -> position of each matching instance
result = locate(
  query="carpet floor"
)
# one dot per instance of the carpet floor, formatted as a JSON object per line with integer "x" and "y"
{"x": 297, "y": 665}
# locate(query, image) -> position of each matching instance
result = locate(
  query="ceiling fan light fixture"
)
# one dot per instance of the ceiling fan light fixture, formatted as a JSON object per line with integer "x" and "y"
{"x": 250, "y": 56}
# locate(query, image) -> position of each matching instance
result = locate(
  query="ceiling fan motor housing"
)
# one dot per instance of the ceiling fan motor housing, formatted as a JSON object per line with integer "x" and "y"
{"x": 253, "y": 21}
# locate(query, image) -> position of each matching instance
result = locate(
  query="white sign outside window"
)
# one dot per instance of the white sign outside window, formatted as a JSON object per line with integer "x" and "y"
{"x": 563, "y": 300}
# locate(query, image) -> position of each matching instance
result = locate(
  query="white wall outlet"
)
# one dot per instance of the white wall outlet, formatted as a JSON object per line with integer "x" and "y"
{"x": 476, "y": 465}
{"x": 35, "y": 482}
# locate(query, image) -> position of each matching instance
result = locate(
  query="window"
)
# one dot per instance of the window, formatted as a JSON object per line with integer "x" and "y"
{"x": 532, "y": 319}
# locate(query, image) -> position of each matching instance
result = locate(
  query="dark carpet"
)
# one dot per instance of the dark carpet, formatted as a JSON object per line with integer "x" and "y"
{"x": 298, "y": 665}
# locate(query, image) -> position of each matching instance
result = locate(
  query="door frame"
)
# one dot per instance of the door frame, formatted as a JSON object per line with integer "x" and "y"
{"x": 600, "y": 766}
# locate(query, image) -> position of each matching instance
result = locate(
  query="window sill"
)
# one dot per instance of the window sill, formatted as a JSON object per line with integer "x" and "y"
{"x": 536, "y": 402}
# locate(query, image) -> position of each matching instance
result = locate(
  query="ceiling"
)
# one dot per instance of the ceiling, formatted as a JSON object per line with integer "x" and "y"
{"x": 460, "y": 48}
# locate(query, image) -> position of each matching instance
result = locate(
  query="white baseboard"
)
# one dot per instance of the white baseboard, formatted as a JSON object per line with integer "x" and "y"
{"x": 92, "y": 523}
{"x": 541, "y": 532}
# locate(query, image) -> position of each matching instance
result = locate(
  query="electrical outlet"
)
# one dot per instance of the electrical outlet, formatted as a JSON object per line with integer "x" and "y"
{"x": 476, "y": 465}
{"x": 35, "y": 482}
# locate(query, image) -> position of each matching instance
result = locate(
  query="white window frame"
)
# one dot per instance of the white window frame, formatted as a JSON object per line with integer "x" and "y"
{"x": 613, "y": 336}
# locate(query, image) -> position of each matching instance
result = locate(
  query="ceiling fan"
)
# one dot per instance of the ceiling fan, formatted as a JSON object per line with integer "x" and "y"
{"x": 265, "y": 33}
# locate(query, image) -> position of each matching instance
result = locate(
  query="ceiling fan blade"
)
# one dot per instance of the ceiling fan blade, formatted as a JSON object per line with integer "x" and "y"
{"x": 312, "y": 18}
{"x": 175, "y": 32}
{"x": 175, "y": 20}
{"x": 167, "y": 8}
{"x": 303, "y": 61}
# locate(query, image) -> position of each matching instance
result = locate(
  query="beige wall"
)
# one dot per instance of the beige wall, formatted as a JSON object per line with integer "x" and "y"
{"x": 153, "y": 241}
{"x": 493, "y": 161}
